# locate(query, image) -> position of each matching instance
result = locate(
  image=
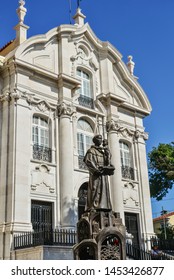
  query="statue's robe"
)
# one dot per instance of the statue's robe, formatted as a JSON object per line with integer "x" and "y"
{"x": 98, "y": 196}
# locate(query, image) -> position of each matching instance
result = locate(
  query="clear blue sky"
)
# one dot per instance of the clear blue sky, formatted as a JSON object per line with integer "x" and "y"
{"x": 142, "y": 28}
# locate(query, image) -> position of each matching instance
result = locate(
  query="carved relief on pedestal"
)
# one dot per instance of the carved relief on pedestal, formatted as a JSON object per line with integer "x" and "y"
{"x": 130, "y": 194}
{"x": 42, "y": 180}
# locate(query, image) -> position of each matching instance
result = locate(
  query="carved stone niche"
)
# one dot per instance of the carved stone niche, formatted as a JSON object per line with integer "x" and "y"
{"x": 42, "y": 180}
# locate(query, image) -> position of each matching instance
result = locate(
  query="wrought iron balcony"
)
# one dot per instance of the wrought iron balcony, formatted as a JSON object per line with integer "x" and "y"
{"x": 86, "y": 101}
{"x": 128, "y": 172}
{"x": 41, "y": 153}
{"x": 82, "y": 165}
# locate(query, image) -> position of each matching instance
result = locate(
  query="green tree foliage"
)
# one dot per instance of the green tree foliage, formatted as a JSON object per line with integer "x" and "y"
{"x": 167, "y": 233}
{"x": 161, "y": 170}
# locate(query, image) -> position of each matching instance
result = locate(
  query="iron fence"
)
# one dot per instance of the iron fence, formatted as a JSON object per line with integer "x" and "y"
{"x": 59, "y": 237}
{"x": 136, "y": 253}
{"x": 163, "y": 244}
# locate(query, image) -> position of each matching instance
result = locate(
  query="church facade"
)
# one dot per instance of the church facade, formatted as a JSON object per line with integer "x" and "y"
{"x": 57, "y": 91}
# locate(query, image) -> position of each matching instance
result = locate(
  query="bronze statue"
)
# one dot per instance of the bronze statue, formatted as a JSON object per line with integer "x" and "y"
{"x": 98, "y": 162}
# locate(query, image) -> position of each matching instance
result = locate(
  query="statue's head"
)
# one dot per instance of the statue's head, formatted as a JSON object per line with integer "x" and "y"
{"x": 105, "y": 142}
{"x": 97, "y": 140}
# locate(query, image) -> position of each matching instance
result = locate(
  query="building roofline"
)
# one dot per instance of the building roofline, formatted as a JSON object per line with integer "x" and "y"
{"x": 6, "y": 45}
{"x": 163, "y": 216}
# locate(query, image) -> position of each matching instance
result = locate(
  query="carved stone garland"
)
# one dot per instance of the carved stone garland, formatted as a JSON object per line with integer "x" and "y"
{"x": 124, "y": 131}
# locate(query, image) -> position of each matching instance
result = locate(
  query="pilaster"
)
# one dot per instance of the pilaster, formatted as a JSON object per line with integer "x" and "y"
{"x": 65, "y": 112}
{"x": 115, "y": 180}
{"x": 146, "y": 209}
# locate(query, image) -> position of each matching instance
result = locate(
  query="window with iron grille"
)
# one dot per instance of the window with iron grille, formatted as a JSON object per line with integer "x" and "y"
{"x": 40, "y": 139}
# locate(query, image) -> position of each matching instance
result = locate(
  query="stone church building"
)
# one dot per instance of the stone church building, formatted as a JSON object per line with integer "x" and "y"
{"x": 57, "y": 91}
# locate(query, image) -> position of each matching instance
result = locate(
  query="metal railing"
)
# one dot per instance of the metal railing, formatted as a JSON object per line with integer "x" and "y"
{"x": 128, "y": 172}
{"x": 86, "y": 101}
{"x": 136, "y": 253}
{"x": 163, "y": 244}
{"x": 81, "y": 162}
{"x": 41, "y": 153}
{"x": 59, "y": 237}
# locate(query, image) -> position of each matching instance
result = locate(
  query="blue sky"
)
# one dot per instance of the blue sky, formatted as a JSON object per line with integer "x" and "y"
{"x": 142, "y": 28}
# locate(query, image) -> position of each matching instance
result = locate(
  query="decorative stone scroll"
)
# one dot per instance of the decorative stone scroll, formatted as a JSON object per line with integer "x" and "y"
{"x": 84, "y": 56}
{"x": 16, "y": 94}
{"x": 5, "y": 97}
{"x": 130, "y": 193}
{"x": 42, "y": 179}
{"x": 65, "y": 109}
{"x": 125, "y": 131}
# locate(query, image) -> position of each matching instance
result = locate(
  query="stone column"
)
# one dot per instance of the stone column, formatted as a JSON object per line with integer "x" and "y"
{"x": 4, "y": 99}
{"x": 65, "y": 111}
{"x": 115, "y": 180}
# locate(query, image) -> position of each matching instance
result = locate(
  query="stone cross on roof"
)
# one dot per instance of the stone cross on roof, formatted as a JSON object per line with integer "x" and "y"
{"x": 78, "y": 3}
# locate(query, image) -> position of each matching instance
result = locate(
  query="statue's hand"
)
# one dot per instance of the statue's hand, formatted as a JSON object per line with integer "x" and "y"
{"x": 99, "y": 171}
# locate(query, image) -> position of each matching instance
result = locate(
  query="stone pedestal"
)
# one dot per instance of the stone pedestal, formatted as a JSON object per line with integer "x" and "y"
{"x": 101, "y": 236}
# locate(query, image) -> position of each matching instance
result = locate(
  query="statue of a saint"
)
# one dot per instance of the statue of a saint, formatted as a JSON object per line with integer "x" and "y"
{"x": 98, "y": 162}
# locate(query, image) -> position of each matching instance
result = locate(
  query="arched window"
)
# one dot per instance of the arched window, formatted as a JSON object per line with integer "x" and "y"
{"x": 126, "y": 161}
{"x": 40, "y": 138}
{"x": 84, "y": 140}
{"x": 86, "y": 97}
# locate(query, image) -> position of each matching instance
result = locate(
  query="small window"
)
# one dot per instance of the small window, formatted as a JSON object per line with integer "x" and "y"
{"x": 126, "y": 161}
{"x": 40, "y": 138}
{"x": 40, "y": 131}
{"x": 125, "y": 154}
{"x": 86, "y": 97}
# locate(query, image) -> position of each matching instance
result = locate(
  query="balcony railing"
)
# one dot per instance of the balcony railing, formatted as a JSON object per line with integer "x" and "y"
{"x": 86, "y": 101}
{"x": 82, "y": 165}
{"x": 128, "y": 172}
{"x": 59, "y": 237}
{"x": 41, "y": 153}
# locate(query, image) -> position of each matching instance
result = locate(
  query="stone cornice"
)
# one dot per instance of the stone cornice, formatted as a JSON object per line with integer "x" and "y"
{"x": 68, "y": 81}
{"x": 121, "y": 102}
{"x": 36, "y": 69}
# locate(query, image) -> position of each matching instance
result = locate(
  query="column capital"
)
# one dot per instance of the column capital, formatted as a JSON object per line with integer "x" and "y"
{"x": 65, "y": 109}
{"x": 5, "y": 97}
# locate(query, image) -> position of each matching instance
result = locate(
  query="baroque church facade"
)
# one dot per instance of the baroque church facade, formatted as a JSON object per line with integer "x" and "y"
{"x": 57, "y": 91}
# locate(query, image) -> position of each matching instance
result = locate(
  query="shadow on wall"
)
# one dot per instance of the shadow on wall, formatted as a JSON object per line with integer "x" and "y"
{"x": 70, "y": 212}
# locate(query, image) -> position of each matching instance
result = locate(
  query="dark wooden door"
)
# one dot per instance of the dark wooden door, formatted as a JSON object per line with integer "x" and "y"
{"x": 131, "y": 223}
{"x": 41, "y": 216}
